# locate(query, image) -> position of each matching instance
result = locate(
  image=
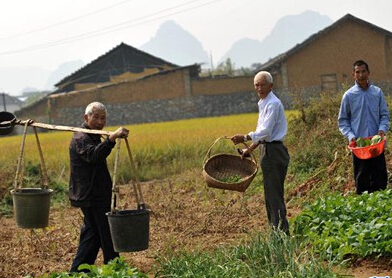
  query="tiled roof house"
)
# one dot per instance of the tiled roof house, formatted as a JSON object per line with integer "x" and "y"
{"x": 123, "y": 62}
{"x": 323, "y": 62}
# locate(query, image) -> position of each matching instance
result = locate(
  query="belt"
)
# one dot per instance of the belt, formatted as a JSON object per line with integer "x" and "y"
{"x": 272, "y": 142}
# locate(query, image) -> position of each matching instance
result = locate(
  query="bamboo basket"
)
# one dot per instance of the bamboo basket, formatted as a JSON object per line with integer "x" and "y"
{"x": 218, "y": 169}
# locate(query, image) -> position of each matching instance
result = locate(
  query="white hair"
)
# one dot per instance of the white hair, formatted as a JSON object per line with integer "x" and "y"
{"x": 90, "y": 108}
{"x": 268, "y": 77}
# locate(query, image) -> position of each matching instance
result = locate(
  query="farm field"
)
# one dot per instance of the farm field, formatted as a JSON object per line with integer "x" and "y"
{"x": 186, "y": 215}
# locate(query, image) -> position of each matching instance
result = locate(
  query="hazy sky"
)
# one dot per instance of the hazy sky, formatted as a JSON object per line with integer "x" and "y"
{"x": 47, "y": 33}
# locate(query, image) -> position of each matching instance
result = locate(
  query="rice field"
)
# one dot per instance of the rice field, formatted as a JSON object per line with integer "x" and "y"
{"x": 158, "y": 149}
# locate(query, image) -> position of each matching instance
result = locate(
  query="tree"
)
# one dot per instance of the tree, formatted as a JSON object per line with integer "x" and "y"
{"x": 225, "y": 68}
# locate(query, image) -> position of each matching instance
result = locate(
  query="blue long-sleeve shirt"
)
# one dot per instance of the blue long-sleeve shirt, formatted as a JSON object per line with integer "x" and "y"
{"x": 363, "y": 112}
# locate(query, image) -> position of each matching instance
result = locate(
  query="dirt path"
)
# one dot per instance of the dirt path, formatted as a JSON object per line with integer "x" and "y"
{"x": 185, "y": 215}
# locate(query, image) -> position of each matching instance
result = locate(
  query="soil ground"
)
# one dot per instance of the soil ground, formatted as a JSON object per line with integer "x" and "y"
{"x": 185, "y": 215}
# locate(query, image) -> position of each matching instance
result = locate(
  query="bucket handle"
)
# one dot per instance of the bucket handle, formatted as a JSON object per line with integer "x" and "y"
{"x": 44, "y": 172}
{"x": 137, "y": 188}
{"x": 115, "y": 189}
{"x": 208, "y": 154}
{"x": 17, "y": 184}
{"x": 135, "y": 182}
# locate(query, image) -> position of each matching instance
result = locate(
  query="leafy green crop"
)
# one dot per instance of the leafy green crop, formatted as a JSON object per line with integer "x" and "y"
{"x": 232, "y": 179}
{"x": 349, "y": 226}
{"x": 116, "y": 268}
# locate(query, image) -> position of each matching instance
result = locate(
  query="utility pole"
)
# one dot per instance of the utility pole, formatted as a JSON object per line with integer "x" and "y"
{"x": 5, "y": 107}
{"x": 212, "y": 64}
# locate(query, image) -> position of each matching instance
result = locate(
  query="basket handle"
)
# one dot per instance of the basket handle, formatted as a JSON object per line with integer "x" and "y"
{"x": 208, "y": 154}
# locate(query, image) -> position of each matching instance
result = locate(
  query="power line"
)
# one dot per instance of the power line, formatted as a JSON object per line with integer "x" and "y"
{"x": 115, "y": 27}
{"x": 62, "y": 22}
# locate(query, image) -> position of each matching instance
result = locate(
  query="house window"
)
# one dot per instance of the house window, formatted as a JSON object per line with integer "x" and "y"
{"x": 329, "y": 83}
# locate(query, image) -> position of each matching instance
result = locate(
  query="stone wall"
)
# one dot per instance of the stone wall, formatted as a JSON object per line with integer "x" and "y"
{"x": 163, "y": 97}
{"x": 169, "y": 109}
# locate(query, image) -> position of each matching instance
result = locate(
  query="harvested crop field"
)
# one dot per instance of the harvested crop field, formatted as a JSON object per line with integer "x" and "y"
{"x": 185, "y": 215}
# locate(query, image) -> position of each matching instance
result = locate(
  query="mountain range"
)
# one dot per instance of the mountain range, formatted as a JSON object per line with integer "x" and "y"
{"x": 287, "y": 32}
{"x": 176, "y": 45}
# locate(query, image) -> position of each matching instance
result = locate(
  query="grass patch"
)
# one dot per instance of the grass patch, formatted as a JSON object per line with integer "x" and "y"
{"x": 273, "y": 255}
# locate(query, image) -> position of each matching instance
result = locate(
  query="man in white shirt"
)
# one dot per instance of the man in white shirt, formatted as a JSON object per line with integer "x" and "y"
{"x": 269, "y": 135}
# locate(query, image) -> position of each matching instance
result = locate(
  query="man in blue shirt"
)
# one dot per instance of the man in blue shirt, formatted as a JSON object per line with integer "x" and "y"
{"x": 364, "y": 113}
{"x": 269, "y": 134}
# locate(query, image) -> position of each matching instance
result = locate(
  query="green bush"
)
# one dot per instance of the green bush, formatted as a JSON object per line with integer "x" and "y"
{"x": 313, "y": 136}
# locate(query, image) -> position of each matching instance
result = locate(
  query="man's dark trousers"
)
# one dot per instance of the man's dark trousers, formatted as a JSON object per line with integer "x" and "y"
{"x": 95, "y": 234}
{"x": 274, "y": 163}
{"x": 370, "y": 174}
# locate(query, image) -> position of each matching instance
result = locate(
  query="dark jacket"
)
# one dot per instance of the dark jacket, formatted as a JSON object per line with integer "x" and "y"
{"x": 90, "y": 183}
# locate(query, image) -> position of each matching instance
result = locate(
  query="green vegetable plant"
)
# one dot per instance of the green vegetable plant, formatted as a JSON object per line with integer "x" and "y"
{"x": 231, "y": 179}
{"x": 376, "y": 139}
{"x": 353, "y": 226}
{"x": 116, "y": 268}
{"x": 364, "y": 142}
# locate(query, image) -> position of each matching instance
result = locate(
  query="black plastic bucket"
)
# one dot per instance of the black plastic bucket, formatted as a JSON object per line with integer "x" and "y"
{"x": 7, "y": 121}
{"x": 31, "y": 207}
{"x": 130, "y": 229}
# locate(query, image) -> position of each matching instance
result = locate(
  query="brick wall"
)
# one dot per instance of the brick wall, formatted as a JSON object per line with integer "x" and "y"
{"x": 222, "y": 85}
{"x": 334, "y": 53}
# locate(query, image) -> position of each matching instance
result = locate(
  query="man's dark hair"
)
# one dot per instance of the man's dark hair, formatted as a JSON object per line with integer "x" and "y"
{"x": 361, "y": 63}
